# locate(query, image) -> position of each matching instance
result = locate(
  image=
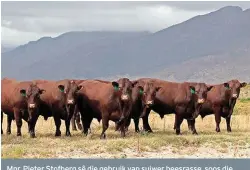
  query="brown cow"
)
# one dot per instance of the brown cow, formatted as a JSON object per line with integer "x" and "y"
{"x": 20, "y": 100}
{"x": 201, "y": 90}
{"x": 220, "y": 102}
{"x": 59, "y": 101}
{"x": 105, "y": 100}
{"x": 178, "y": 98}
{"x": 142, "y": 97}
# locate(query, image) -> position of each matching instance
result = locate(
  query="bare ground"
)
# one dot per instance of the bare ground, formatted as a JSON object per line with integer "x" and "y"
{"x": 163, "y": 143}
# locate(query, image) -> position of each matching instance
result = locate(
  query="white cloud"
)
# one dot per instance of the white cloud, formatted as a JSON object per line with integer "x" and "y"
{"x": 27, "y": 21}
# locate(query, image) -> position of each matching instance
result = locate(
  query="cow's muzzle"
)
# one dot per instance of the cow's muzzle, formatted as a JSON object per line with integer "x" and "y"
{"x": 201, "y": 101}
{"x": 124, "y": 97}
{"x": 149, "y": 102}
{"x": 70, "y": 101}
{"x": 235, "y": 96}
{"x": 32, "y": 106}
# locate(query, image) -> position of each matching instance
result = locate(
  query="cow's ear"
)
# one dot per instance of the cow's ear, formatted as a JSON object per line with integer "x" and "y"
{"x": 23, "y": 92}
{"x": 41, "y": 91}
{"x": 192, "y": 89}
{"x": 226, "y": 85}
{"x": 209, "y": 88}
{"x": 134, "y": 83}
{"x": 157, "y": 88}
{"x": 141, "y": 90}
{"x": 61, "y": 88}
{"x": 79, "y": 88}
{"x": 243, "y": 84}
{"x": 115, "y": 85}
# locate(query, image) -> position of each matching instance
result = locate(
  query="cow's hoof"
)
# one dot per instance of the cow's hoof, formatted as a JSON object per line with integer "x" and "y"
{"x": 8, "y": 132}
{"x": 68, "y": 134}
{"x": 137, "y": 130}
{"x": 148, "y": 130}
{"x": 103, "y": 136}
{"x": 58, "y": 134}
{"x": 19, "y": 134}
{"x": 195, "y": 133}
{"x": 217, "y": 130}
{"x": 229, "y": 130}
{"x": 80, "y": 127}
{"x": 178, "y": 132}
{"x": 32, "y": 135}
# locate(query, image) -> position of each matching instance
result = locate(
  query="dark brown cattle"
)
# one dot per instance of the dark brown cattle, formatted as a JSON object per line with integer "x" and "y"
{"x": 142, "y": 97}
{"x": 20, "y": 100}
{"x": 59, "y": 101}
{"x": 178, "y": 98}
{"x": 105, "y": 100}
{"x": 201, "y": 90}
{"x": 220, "y": 102}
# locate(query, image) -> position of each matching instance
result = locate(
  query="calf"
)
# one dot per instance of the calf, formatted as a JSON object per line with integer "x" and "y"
{"x": 20, "y": 100}
{"x": 107, "y": 101}
{"x": 220, "y": 102}
{"x": 178, "y": 98}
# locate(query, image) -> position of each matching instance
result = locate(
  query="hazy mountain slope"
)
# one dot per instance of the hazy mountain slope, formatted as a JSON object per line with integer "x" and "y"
{"x": 210, "y": 69}
{"x": 6, "y": 49}
{"x": 180, "y": 48}
{"x": 39, "y": 58}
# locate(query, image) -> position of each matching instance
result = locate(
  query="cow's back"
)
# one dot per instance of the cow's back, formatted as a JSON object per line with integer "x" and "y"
{"x": 170, "y": 92}
{"x": 10, "y": 94}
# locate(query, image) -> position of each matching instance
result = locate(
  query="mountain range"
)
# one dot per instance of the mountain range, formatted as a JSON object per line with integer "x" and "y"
{"x": 214, "y": 47}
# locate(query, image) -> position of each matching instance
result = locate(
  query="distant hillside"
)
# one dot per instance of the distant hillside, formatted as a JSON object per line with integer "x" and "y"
{"x": 212, "y": 47}
{"x": 6, "y": 49}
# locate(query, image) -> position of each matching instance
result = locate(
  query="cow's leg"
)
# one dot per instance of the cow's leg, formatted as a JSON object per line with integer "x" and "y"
{"x": 146, "y": 126}
{"x": 117, "y": 127}
{"x": 127, "y": 123}
{"x": 58, "y": 125}
{"x": 192, "y": 126}
{"x": 228, "y": 120}
{"x": 179, "y": 121}
{"x": 32, "y": 126}
{"x": 86, "y": 124}
{"x": 217, "y": 119}
{"x": 73, "y": 122}
{"x": 19, "y": 122}
{"x": 189, "y": 122}
{"x": 123, "y": 129}
{"x": 105, "y": 125}
{"x": 175, "y": 122}
{"x": 67, "y": 124}
{"x": 1, "y": 122}
{"x": 9, "y": 121}
{"x": 136, "y": 122}
{"x": 77, "y": 120}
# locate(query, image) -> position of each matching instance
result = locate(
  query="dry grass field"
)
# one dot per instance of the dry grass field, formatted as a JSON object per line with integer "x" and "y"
{"x": 163, "y": 143}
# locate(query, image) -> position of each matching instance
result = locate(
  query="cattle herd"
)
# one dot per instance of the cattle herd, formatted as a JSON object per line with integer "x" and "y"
{"x": 76, "y": 101}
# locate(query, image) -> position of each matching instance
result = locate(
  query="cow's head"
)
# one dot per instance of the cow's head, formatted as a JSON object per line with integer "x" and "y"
{"x": 149, "y": 94}
{"x": 234, "y": 87}
{"x": 124, "y": 86}
{"x": 69, "y": 90}
{"x": 32, "y": 95}
{"x": 199, "y": 91}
